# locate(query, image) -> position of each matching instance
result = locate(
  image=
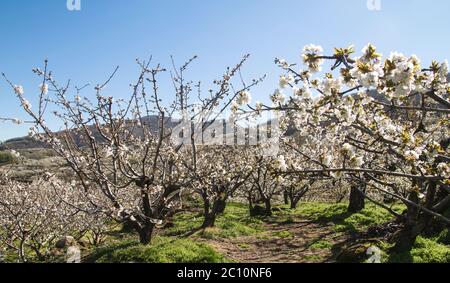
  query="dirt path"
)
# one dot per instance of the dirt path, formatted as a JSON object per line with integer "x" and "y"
{"x": 299, "y": 242}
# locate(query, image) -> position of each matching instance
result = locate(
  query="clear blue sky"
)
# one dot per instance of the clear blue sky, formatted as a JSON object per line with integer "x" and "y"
{"x": 86, "y": 45}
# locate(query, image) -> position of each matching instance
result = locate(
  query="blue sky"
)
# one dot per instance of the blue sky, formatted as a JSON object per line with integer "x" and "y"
{"x": 86, "y": 45}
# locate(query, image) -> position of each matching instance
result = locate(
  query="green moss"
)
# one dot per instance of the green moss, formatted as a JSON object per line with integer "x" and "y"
{"x": 236, "y": 222}
{"x": 162, "y": 250}
{"x": 184, "y": 223}
{"x": 444, "y": 237}
{"x": 210, "y": 233}
{"x": 313, "y": 258}
{"x": 283, "y": 234}
{"x": 424, "y": 251}
{"x": 344, "y": 221}
{"x": 244, "y": 246}
{"x": 233, "y": 223}
{"x": 321, "y": 245}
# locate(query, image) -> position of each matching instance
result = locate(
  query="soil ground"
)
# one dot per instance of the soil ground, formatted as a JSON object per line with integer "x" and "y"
{"x": 302, "y": 241}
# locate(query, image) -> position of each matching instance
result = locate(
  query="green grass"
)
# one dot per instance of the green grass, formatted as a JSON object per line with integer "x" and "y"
{"x": 172, "y": 246}
{"x": 233, "y": 223}
{"x": 244, "y": 246}
{"x": 162, "y": 250}
{"x": 236, "y": 222}
{"x": 313, "y": 258}
{"x": 444, "y": 237}
{"x": 425, "y": 250}
{"x": 337, "y": 214}
{"x": 37, "y": 154}
{"x": 283, "y": 234}
{"x": 321, "y": 245}
{"x": 184, "y": 223}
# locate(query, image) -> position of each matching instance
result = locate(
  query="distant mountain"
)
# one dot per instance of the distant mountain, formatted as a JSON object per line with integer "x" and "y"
{"x": 23, "y": 143}
{"x": 153, "y": 122}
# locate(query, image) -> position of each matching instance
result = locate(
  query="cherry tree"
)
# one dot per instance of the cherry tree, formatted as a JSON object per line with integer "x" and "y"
{"x": 125, "y": 166}
{"x": 265, "y": 182}
{"x": 222, "y": 171}
{"x": 35, "y": 215}
{"x": 296, "y": 188}
{"x": 382, "y": 122}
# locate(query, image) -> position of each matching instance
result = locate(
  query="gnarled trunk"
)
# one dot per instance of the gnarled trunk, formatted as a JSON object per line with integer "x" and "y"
{"x": 210, "y": 213}
{"x": 416, "y": 222}
{"x": 127, "y": 226}
{"x": 357, "y": 198}
{"x": 268, "y": 207}
{"x": 294, "y": 203}
{"x": 145, "y": 234}
{"x": 250, "y": 203}
{"x": 209, "y": 221}
{"x": 294, "y": 199}
{"x": 221, "y": 205}
{"x": 286, "y": 197}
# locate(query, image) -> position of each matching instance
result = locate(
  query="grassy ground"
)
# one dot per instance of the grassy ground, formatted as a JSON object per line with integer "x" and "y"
{"x": 314, "y": 232}
{"x": 162, "y": 250}
{"x": 233, "y": 223}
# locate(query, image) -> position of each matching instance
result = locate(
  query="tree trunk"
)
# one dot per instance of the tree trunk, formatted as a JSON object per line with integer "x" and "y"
{"x": 268, "y": 207}
{"x": 294, "y": 203}
{"x": 286, "y": 197}
{"x": 145, "y": 234}
{"x": 211, "y": 213}
{"x": 22, "y": 251}
{"x": 209, "y": 220}
{"x": 221, "y": 205}
{"x": 405, "y": 239}
{"x": 415, "y": 222}
{"x": 357, "y": 198}
{"x": 250, "y": 204}
{"x": 127, "y": 227}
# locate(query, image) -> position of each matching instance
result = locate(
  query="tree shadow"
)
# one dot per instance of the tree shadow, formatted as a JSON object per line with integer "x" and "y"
{"x": 100, "y": 252}
{"x": 404, "y": 257}
{"x": 339, "y": 219}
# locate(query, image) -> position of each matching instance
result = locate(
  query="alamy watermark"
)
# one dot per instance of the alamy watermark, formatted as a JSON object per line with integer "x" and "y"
{"x": 209, "y": 129}
{"x": 374, "y": 5}
{"x": 74, "y": 5}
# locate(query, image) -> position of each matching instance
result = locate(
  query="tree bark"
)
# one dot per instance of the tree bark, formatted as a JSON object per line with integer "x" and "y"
{"x": 416, "y": 222}
{"x": 210, "y": 213}
{"x": 221, "y": 205}
{"x": 286, "y": 196}
{"x": 209, "y": 221}
{"x": 145, "y": 234}
{"x": 406, "y": 238}
{"x": 250, "y": 204}
{"x": 22, "y": 251}
{"x": 294, "y": 203}
{"x": 127, "y": 227}
{"x": 357, "y": 199}
{"x": 268, "y": 207}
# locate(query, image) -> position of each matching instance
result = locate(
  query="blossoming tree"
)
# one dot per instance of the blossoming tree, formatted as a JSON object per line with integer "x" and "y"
{"x": 126, "y": 167}
{"x": 35, "y": 215}
{"x": 385, "y": 121}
